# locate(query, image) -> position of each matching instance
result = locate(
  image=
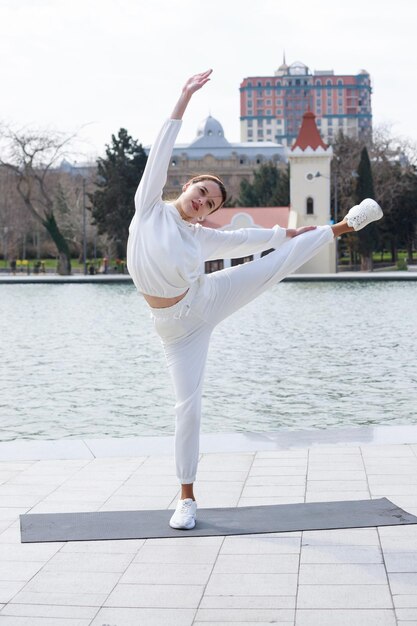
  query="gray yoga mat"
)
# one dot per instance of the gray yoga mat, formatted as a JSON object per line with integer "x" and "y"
{"x": 246, "y": 520}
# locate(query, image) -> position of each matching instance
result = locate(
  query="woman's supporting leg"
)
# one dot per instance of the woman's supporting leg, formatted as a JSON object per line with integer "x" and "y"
{"x": 186, "y": 360}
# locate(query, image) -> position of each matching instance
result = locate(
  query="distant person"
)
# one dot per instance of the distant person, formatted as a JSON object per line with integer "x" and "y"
{"x": 13, "y": 266}
{"x": 166, "y": 250}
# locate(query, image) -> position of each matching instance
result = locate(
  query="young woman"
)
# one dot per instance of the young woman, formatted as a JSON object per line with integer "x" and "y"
{"x": 166, "y": 251}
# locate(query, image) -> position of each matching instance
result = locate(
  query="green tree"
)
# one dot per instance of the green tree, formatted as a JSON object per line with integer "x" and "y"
{"x": 118, "y": 175}
{"x": 368, "y": 237}
{"x": 270, "y": 187}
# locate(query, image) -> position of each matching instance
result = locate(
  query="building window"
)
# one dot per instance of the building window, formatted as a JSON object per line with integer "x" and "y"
{"x": 173, "y": 162}
{"x": 268, "y": 112}
{"x": 310, "y": 206}
{"x": 265, "y": 252}
{"x": 213, "y": 266}
{"x": 318, "y": 82}
{"x": 250, "y": 123}
{"x": 244, "y": 259}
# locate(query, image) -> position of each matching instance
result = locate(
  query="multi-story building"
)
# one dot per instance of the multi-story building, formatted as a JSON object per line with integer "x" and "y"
{"x": 272, "y": 107}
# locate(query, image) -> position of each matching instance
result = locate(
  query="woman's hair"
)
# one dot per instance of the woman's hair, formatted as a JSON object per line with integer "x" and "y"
{"x": 215, "y": 179}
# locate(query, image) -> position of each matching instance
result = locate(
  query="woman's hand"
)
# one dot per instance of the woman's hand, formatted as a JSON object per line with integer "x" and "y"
{"x": 195, "y": 83}
{"x": 192, "y": 85}
{"x": 293, "y": 232}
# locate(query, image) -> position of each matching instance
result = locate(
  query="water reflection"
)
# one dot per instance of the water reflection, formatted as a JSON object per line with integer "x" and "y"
{"x": 83, "y": 361}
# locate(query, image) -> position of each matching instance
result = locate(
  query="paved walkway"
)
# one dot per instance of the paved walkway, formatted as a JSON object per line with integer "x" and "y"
{"x": 323, "y": 578}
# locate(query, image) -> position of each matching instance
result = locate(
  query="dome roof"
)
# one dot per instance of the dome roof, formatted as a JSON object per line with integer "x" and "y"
{"x": 298, "y": 68}
{"x": 210, "y": 133}
{"x": 209, "y": 127}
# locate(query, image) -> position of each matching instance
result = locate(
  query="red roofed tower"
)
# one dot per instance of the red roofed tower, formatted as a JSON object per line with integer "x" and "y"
{"x": 309, "y": 135}
{"x": 309, "y": 160}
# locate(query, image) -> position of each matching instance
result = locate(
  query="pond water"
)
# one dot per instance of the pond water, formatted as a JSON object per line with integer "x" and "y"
{"x": 83, "y": 361}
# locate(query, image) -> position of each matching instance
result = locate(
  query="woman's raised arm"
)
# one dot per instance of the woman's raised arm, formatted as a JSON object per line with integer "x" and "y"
{"x": 192, "y": 85}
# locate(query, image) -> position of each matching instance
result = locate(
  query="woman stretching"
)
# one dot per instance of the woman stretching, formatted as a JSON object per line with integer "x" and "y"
{"x": 165, "y": 256}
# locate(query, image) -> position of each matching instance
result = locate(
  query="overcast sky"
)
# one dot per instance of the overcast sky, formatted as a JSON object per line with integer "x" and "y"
{"x": 104, "y": 64}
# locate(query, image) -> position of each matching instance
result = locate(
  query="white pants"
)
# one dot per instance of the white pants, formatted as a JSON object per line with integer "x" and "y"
{"x": 186, "y": 327}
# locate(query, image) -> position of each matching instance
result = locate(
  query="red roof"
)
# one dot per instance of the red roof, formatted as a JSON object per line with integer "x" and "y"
{"x": 309, "y": 136}
{"x": 266, "y": 217}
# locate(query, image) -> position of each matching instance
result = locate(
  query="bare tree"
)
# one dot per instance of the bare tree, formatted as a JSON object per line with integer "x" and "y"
{"x": 31, "y": 157}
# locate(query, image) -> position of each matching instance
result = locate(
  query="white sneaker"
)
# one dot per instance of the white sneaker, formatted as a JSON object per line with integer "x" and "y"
{"x": 363, "y": 214}
{"x": 185, "y": 515}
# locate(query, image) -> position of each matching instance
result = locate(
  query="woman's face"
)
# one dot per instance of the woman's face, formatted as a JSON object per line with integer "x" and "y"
{"x": 199, "y": 200}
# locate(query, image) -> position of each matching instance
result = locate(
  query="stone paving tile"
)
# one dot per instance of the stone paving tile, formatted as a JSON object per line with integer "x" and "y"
{"x": 260, "y": 544}
{"x": 144, "y": 617}
{"x": 387, "y": 451}
{"x": 60, "y": 598}
{"x": 252, "y": 501}
{"x": 155, "y": 596}
{"x": 273, "y": 490}
{"x": 336, "y": 475}
{"x": 153, "y": 574}
{"x": 135, "y": 503}
{"x": 341, "y": 537}
{"x": 124, "y": 546}
{"x": 42, "y": 621}
{"x": 400, "y": 561}
{"x": 206, "y": 477}
{"x": 71, "y": 562}
{"x": 26, "y": 552}
{"x": 403, "y": 583}
{"x": 245, "y": 623}
{"x": 345, "y": 618}
{"x": 342, "y": 574}
{"x": 344, "y": 597}
{"x": 277, "y": 470}
{"x": 77, "y": 582}
{"x": 406, "y": 614}
{"x": 266, "y": 616}
{"x": 340, "y": 554}
{"x": 336, "y": 496}
{"x": 254, "y": 564}
{"x": 176, "y": 553}
{"x": 8, "y": 589}
{"x": 248, "y": 602}
{"x": 10, "y": 514}
{"x": 45, "y": 610}
{"x": 405, "y": 601}
{"x": 252, "y": 584}
{"x": 66, "y": 507}
{"x": 336, "y": 485}
{"x": 268, "y": 479}
{"x": 19, "y": 570}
